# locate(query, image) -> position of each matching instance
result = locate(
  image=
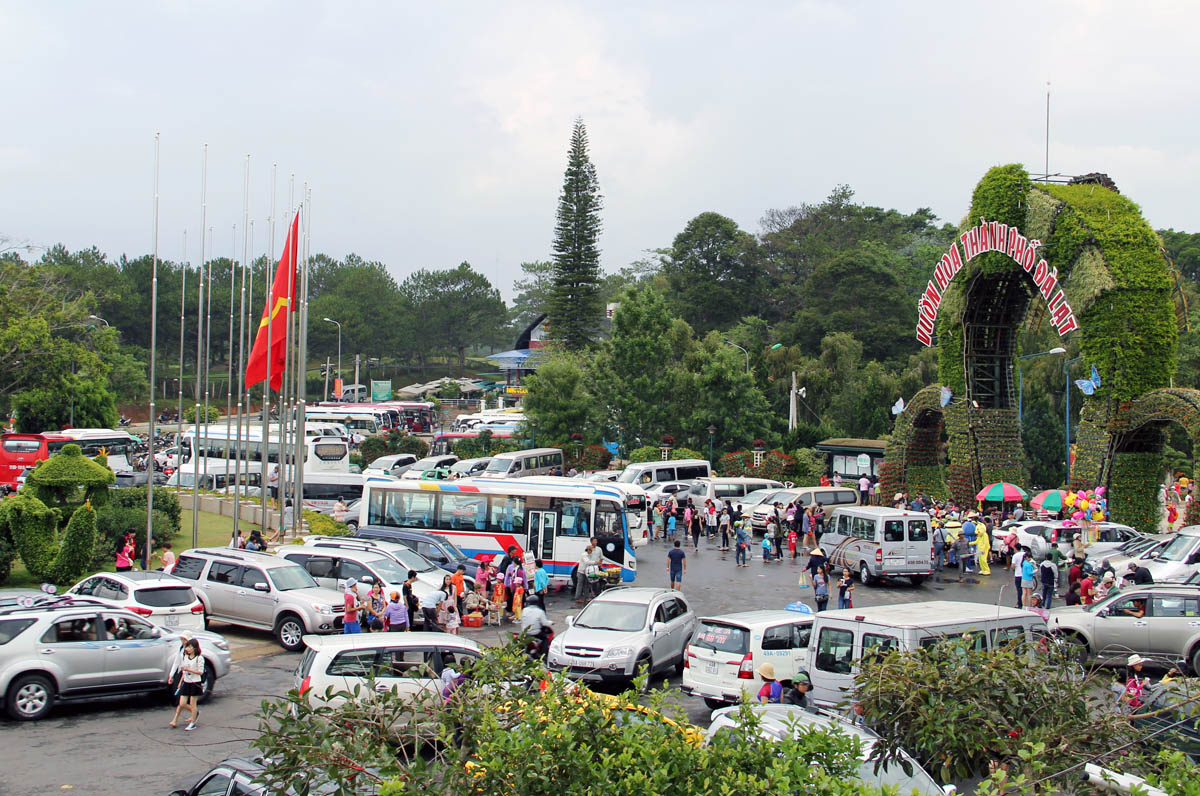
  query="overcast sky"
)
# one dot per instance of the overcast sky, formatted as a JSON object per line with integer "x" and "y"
{"x": 433, "y": 133}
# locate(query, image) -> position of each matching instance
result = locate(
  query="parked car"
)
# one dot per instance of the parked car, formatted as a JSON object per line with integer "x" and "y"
{"x": 724, "y": 651}
{"x": 1158, "y": 621}
{"x": 164, "y": 600}
{"x": 233, "y": 777}
{"x": 1109, "y": 537}
{"x": 676, "y": 489}
{"x": 1140, "y": 549}
{"x": 466, "y": 468}
{"x": 428, "y": 574}
{"x": 777, "y": 722}
{"x": 22, "y": 598}
{"x": 1033, "y": 534}
{"x": 830, "y": 497}
{"x": 77, "y": 649}
{"x": 409, "y": 664}
{"x": 437, "y": 549}
{"x": 623, "y": 633}
{"x": 333, "y": 567}
{"x": 260, "y": 590}
{"x": 421, "y": 466}
{"x": 395, "y": 464}
{"x": 1178, "y": 560}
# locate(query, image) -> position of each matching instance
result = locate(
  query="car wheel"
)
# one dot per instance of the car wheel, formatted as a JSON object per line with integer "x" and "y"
{"x": 1195, "y": 661}
{"x": 289, "y": 630}
{"x": 864, "y": 574}
{"x": 352, "y": 525}
{"x": 916, "y": 580}
{"x": 643, "y": 667}
{"x": 679, "y": 664}
{"x": 714, "y": 704}
{"x": 1077, "y": 646}
{"x": 210, "y": 680}
{"x": 30, "y": 697}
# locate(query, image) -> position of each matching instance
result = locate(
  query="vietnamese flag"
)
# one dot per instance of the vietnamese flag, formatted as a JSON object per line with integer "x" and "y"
{"x": 274, "y": 318}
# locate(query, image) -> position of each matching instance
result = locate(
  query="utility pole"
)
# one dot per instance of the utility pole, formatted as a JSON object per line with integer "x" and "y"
{"x": 326, "y": 398}
{"x": 357, "y": 360}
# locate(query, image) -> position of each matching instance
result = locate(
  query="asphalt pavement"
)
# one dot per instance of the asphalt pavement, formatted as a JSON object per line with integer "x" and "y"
{"x": 118, "y": 747}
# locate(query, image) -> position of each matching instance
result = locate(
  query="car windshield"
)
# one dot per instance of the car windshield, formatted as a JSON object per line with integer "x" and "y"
{"x": 605, "y": 615}
{"x": 1178, "y": 549}
{"x": 499, "y": 465}
{"x": 288, "y": 578}
{"x": 411, "y": 560}
{"x": 720, "y": 637}
{"x": 756, "y": 497}
{"x": 389, "y": 570}
{"x": 628, "y": 476}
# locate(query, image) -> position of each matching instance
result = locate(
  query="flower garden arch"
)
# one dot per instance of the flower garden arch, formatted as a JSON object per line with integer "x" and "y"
{"x": 1081, "y": 258}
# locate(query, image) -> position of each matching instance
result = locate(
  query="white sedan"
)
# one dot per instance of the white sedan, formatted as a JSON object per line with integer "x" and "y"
{"x": 163, "y": 599}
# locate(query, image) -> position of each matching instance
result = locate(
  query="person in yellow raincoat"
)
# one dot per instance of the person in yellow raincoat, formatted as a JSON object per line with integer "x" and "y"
{"x": 983, "y": 549}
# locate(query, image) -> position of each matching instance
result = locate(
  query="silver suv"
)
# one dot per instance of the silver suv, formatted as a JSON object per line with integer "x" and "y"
{"x": 625, "y": 632}
{"x": 74, "y": 649}
{"x": 260, "y": 590}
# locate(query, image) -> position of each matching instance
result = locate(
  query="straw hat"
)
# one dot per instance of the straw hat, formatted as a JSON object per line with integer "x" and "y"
{"x": 767, "y": 671}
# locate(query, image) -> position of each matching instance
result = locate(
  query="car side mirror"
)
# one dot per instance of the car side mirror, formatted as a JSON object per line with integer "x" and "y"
{"x": 368, "y": 579}
{"x": 179, "y": 793}
{"x": 659, "y": 627}
{"x": 949, "y": 790}
{"x": 261, "y": 587}
{"x": 1102, "y": 613}
{"x": 570, "y": 620}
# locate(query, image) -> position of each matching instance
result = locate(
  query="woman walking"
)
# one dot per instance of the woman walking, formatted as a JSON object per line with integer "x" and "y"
{"x": 192, "y": 685}
{"x": 821, "y": 587}
{"x": 723, "y": 523}
{"x": 845, "y": 587}
{"x": 126, "y": 551}
{"x": 1027, "y": 580}
{"x": 697, "y": 526}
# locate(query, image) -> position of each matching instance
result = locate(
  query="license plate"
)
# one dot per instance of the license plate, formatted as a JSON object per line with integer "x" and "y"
{"x": 711, "y": 667}
{"x": 172, "y": 620}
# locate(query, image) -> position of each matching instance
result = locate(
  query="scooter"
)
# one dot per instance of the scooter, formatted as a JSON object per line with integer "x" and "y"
{"x": 537, "y": 647}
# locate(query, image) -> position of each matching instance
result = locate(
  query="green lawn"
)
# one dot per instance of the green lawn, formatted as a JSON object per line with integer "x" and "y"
{"x": 214, "y": 531}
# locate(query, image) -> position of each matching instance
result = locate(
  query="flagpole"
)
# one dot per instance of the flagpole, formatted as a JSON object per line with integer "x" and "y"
{"x": 182, "y": 326}
{"x": 237, "y": 460}
{"x": 153, "y": 344}
{"x": 285, "y": 405}
{"x": 198, "y": 438}
{"x": 208, "y": 358}
{"x": 229, "y": 350}
{"x": 266, "y": 403}
{"x": 302, "y": 361}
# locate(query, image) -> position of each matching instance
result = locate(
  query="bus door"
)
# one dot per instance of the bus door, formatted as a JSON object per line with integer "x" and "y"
{"x": 542, "y": 527}
{"x": 611, "y": 531}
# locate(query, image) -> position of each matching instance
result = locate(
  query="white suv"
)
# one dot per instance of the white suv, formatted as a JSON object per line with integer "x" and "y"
{"x": 162, "y": 599}
{"x": 623, "y": 633}
{"x": 410, "y": 664}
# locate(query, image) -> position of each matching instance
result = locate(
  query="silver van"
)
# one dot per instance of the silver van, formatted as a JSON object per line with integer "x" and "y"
{"x": 878, "y": 542}
{"x": 829, "y": 497}
{"x": 646, "y": 473}
{"x": 840, "y": 639}
{"x": 522, "y": 464}
{"x": 719, "y": 490}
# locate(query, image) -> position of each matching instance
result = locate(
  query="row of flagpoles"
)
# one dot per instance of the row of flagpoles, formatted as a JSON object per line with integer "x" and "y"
{"x": 277, "y": 353}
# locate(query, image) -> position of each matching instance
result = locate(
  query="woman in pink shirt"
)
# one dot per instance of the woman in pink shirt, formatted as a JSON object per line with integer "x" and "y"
{"x": 125, "y": 553}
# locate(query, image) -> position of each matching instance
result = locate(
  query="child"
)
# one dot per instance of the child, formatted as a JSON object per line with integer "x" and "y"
{"x": 671, "y": 525}
{"x": 452, "y": 620}
{"x": 541, "y": 581}
{"x": 792, "y": 538}
{"x": 766, "y": 549}
{"x": 845, "y": 587}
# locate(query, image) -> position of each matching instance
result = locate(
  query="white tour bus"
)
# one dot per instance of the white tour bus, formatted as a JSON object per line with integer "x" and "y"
{"x": 355, "y": 420}
{"x": 95, "y": 440}
{"x": 214, "y": 451}
{"x": 547, "y": 519}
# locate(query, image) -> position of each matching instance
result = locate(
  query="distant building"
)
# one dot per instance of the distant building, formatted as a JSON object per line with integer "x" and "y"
{"x": 522, "y": 359}
{"x": 852, "y": 457}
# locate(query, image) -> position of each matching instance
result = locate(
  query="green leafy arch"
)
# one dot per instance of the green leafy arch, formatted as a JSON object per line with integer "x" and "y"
{"x": 1108, "y": 264}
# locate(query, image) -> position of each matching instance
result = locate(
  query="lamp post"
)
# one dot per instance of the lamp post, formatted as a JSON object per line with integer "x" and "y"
{"x": 98, "y": 318}
{"x": 727, "y": 341}
{"x": 621, "y": 442}
{"x": 339, "y": 326}
{"x": 1021, "y": 378}
{"x": 712, "y": 432}
{"x": 1067, "y": 379}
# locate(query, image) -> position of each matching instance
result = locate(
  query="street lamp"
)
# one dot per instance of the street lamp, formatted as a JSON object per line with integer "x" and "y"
{"x": 712, "y": 432}
{"x": 727, "y": 341}
{"x": 98, "y": 318}
{"x": 339, "y": 369}
{"x": 621, "y": 442}
{"x": 1067, "y": 379}
{"x": 1021, "y": 377}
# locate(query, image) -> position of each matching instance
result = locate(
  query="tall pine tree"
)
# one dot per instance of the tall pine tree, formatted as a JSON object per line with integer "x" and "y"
{"x": 574, "y": 308}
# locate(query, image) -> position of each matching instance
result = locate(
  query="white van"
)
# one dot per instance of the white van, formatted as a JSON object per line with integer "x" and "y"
{"x": 720, "y": 660}
{"x": 522, "y": 464}
{"x": 840, "y": 639}
{"x": 719, "y": 490}
{"x": 829, "y": 497}
{"x": 878, "y": 542}
{"x": 646, "y": 473}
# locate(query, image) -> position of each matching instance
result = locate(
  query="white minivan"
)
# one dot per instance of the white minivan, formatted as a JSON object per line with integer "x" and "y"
{"x": 645, "y": 473}
{"x": 719, "y": 490}
{"x": 522, "y": 464}
{"x": 725, "y": 650}
{"x": 878, "y": 542}
{"x": 840, "y": 639}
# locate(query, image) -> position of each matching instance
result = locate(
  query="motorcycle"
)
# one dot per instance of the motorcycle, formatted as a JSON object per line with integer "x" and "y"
{"x": 537, "y": 647}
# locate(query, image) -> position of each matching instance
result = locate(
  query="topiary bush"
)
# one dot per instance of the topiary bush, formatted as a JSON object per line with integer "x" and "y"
{"x": 325, "y": 525}
{"x": 30, "y": 525}
{"x": 189, "y": 414}
{"x": 165, "y": 502}
{"x": 67, "y": 479}
{"x": 8, "y": 554}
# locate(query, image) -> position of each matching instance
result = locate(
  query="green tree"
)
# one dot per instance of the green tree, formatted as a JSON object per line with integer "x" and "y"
{"x": 638, "y": 370}
{"x": 712, "y": 272}
{"x": 1042, "y": 433}
{"x": 575, "y": 308}
{"x": 375, "y": 316}
{"x": 559, "y": 399}
{"x": 1184, "y": 250}
{"x": 532, "y": 292}
{"x": 719, "y": 392}
{"x": 457, "y": 307}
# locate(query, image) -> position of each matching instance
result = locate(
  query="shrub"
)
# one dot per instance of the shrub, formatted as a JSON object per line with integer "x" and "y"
{"x": 165, "y": 502}
{"x": 592, "y": 457}
{"x": 189, "y": 414}
{"x": 113, "y": 521}
{"x": 8, "y": 554}
{"x": 75, "y": 549}
{"x": 324, "y": 525}
{"x": 392, "y": 442}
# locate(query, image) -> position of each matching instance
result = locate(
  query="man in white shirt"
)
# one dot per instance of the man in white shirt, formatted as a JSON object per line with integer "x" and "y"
{"x": 864, "y": 489}
{"x": 837, "y": 479}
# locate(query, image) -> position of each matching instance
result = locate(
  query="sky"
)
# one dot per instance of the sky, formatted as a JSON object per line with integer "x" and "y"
{"x": 433, "y": 133}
